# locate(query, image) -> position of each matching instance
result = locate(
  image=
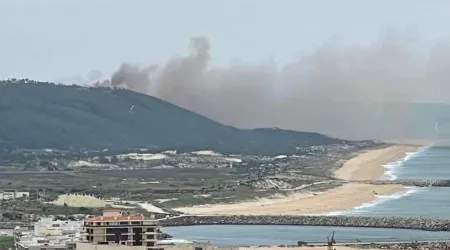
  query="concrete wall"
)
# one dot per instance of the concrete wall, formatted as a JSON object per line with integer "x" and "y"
{"x": 88, "y": 246}
{"x": 192, "y": 246}
{"x": 44, "y": 231}
{"x": 99, "y": 234}
{"x": 188, "y": 246}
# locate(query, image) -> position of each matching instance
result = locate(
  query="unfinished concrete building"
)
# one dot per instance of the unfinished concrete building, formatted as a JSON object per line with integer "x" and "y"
{"x": 116, "y": 227}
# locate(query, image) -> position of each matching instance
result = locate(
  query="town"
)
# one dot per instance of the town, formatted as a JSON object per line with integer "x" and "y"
{"x": 116, "y": 228}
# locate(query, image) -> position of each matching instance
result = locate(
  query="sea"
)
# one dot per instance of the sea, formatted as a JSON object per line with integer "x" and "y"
{"x": 425, "y": 164}
{"x": 432, "y": 162}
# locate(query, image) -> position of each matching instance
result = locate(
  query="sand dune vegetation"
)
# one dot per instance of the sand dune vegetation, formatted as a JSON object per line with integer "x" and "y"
{"x": 79, "y": 200}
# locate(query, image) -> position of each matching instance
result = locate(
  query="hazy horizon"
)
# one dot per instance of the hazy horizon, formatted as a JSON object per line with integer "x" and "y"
{"x": 315, "y": 66}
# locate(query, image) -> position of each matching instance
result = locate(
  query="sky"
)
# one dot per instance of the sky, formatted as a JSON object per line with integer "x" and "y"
{"x": 57, "y": 39}
{"x": 296, "y": 64}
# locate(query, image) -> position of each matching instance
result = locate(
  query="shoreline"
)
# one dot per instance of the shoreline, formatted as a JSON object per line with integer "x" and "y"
{"x": 371, "y": 164}
{"x": 367, "y": 165}
{"x": 342, "y": 198}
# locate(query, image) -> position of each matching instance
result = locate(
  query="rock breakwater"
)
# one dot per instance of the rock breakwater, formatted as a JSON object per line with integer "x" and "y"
{"x": 404, "y": 246}
{"x": 420, "y": 223}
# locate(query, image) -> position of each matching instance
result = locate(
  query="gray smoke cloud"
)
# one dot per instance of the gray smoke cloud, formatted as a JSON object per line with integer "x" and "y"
{"x": 341, "y": 90}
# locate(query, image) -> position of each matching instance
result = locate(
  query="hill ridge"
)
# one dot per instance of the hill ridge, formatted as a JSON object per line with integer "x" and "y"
{"x": 46, "y": 115}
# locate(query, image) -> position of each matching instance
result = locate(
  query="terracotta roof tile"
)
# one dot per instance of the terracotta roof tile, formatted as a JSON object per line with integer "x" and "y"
{"x": 116, "y": 218}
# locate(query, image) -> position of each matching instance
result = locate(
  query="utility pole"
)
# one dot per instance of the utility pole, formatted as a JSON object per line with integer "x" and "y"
{"x": 331, "y": 242}
{"x": 14, "y": 206}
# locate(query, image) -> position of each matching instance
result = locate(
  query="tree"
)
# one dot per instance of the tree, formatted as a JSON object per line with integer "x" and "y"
{"x": 84, "y": 210}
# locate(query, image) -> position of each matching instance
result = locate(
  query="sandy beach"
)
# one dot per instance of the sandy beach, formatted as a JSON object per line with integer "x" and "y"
{"x": 342, "y": 198}
{"x": 369, "y": 165}
{"x": 365, "y": 166}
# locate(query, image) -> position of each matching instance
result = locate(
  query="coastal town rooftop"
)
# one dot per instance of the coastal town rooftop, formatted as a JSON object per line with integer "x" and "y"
{"x": 116, "y": 215}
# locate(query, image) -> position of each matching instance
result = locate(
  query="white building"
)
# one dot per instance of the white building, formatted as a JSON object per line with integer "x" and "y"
{"x": 8, "y": 195}
{"x": 49, "y": 234}
{"x": 49, "y": 227}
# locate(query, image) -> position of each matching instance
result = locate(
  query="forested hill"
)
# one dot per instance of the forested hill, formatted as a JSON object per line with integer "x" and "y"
{"x": 37, "y": 115}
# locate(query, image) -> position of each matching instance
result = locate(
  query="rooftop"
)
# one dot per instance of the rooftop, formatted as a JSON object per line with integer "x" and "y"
{"x": 116, "y": 218}
{"x": 50, "y": 233}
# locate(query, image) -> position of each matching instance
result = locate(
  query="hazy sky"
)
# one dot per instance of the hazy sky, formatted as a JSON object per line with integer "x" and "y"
{"x": 51, "y": 39}
{"x": 336, "y": 57}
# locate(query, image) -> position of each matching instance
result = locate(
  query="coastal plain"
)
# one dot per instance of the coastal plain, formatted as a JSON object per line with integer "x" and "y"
{"x": 319, "y": 181}
{"x": 366, "y": 165}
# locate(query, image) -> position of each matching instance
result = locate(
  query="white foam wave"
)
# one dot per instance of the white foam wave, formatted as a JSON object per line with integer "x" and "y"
{"x": 392, "y": 167}
{"x": 380, "y": 199}
{"x": 390, "y": 175}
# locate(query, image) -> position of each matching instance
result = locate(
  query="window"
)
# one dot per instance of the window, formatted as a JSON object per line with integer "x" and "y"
{"x": 113, "y": 230}
{"x": 123, "y": 237}
{"x": 110, "y": 238}
{"x": 138, "y": 238}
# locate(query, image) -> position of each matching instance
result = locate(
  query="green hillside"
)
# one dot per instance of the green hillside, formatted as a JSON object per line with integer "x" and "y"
{"x": 37, "y": 115}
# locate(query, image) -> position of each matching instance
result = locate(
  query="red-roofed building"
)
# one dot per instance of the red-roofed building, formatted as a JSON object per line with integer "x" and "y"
{"x": 117, "y": 227}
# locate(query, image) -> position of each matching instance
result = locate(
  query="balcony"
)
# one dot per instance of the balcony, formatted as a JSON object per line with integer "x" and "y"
{"x": 151, "y": 233}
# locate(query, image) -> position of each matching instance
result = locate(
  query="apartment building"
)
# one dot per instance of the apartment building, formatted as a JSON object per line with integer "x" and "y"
{"x": 121, "y": 228}
{"x": 47, "y": 234}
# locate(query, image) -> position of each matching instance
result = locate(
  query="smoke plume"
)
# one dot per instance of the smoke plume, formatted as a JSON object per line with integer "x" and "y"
{"x": 341, "y": 90}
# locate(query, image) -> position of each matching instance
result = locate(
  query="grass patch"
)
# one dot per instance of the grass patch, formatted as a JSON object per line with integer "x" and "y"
{"x": 6, "y": 242}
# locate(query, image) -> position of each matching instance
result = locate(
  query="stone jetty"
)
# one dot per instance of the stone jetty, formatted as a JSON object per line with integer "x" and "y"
{"x": 417, "y": 183}
{"x": 404, "y": 246}
{"x": 420, "y": 223}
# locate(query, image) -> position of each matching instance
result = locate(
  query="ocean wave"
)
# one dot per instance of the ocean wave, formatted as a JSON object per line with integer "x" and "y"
{"x": 392, "y": 167}
{"x": 390, "y": 174}
{"x": 380, "y": 199}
